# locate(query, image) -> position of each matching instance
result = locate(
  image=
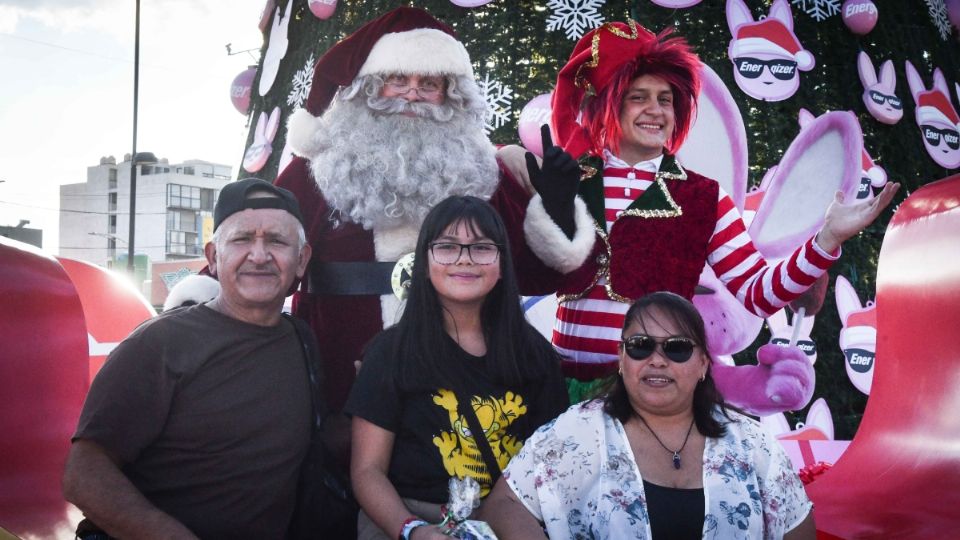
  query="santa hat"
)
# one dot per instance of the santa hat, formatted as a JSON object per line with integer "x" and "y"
{"x": 933, "y": 106}
{"x": 770, "y": 36}
{"x": 860, "y": 328}
{"x": 404, "y": 40}
{"x": 876, "y": 174}
{"x": 598, "y": 58}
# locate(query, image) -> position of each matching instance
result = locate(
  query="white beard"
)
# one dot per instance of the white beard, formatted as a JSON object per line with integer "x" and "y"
{"x": 385, "y": 169}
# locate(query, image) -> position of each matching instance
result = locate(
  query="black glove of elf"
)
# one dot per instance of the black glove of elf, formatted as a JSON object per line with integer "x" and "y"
{"x": 557, "y": 182}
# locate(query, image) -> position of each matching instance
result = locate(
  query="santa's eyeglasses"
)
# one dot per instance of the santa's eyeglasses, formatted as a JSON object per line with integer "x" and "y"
{"x": 933, "y": 136}
{"x": 428, "y": 87}
{"x": 880, "y": 98}
{"x": 751, "y": 68}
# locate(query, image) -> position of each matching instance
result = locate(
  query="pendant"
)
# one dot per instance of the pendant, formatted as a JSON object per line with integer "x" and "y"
{"x": 676, "y": 460}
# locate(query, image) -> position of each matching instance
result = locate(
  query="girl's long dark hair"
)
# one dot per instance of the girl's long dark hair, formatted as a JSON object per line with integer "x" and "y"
{"x": 515, "y": 351}
{"x": 684, "y": 315}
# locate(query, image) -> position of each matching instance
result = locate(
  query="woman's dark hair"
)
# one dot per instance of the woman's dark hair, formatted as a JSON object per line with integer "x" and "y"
{"x": 684, "y": 315}
{"x": 515, "y": 351}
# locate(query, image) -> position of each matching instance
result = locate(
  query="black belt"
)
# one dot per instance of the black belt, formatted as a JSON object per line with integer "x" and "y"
{"x": 351, "y": 278}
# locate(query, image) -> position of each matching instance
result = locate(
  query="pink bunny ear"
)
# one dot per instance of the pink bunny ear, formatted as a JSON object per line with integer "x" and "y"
{"x": 913, "y": 80}
{"x": 737, "y": 13}
{"x": 806, "y": 324}
{"x": 868, "y": 75}
{"x": 824, "y": 158}
{"x": 940, "y": 82}
{"x": 847, "y": 299}
{"x": 819, "y": 417}
{"x": 780, "y": 10}
{"x": 273, "y": 123}
{"x": 259, "y": 134}
{"x": 804, "y": 117}
{"x": 716, "y": 146}
{"x": 888, "y": 77}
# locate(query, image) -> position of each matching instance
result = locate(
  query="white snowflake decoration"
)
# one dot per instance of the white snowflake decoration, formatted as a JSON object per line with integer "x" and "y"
{"x": 302, "y": 81}
{"x": 818, "y": 9}
{"x": 574, "y": 16}
{"x": 498, "y": 98}
{"x": 938, "y": 12}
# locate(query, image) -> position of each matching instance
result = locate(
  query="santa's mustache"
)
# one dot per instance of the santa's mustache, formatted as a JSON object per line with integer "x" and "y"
{"x": 421, "y": 109}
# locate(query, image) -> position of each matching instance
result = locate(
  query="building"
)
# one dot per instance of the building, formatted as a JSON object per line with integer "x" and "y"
{"x": 174, "y": 211}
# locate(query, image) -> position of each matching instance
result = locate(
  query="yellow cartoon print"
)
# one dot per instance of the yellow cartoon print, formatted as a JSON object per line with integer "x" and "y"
{"x": 459, "y": 451}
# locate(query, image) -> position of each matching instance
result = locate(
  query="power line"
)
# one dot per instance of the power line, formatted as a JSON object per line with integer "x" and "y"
{"x": 67, "y": 211}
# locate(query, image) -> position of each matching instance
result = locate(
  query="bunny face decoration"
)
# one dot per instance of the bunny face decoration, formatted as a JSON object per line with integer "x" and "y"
{"x": 256, "y": 156}
{"x": 767, "y": 56}
{"x": 880, "y": 94}
{"x": 858, "y": 338}
{"x": 935, "y": 116}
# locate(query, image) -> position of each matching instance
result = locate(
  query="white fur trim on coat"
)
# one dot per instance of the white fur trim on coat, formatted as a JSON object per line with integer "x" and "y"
{"x": 424, "y": 51}
{"x": 195, "y": 288}
{"x": 550, "y": 244}
{"x": 301, "y": 128}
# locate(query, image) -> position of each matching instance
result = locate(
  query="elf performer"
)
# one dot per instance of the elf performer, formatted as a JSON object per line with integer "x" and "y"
{"x": 623, "y": 104}
{"x": 393, "y": 124}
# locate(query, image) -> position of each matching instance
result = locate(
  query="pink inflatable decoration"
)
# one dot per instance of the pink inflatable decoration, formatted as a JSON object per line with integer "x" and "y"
{"x": 676, "y": 4}
{"x": 259, "y": 151}
{"x": 470, "y": 3}
{"x": 240, "y": 90}
{"x": 323, "y": 9}
{"x": 265, "y": 15}
{"x": 860, "y": 16}
{"x": 534, "y": 114}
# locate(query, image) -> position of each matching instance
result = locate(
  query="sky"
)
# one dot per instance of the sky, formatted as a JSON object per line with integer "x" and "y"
{"x": 66, "y": 91}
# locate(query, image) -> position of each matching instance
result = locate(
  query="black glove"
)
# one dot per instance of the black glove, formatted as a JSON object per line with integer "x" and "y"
{"x": 557, "y": 182}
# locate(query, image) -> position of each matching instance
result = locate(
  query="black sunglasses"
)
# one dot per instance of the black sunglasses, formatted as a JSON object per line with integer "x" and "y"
{"x": 933, "y": 136}
{"x": 641, "y": 347}
{"x": 752, "y": 68}
{"x": 879, "y": 98}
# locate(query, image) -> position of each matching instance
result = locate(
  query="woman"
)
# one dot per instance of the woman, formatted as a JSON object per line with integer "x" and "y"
{"x": 660, "y": 456}
{"x": 461, "y": 354}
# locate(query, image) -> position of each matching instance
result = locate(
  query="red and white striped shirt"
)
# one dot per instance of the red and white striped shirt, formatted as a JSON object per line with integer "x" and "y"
{"x": 588, "y": 329}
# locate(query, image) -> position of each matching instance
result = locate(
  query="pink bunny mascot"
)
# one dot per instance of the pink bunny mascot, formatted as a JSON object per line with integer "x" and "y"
{"x": 658, "y": 223}
{"x": 880, "y": 93}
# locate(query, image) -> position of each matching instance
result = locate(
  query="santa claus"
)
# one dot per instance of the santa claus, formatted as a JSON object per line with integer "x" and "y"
{"x": 393, "y": 125}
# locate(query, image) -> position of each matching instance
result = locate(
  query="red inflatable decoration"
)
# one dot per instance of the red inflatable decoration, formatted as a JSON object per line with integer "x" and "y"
{"x": 43, "y": 379}
{"x": 59, "y": 318}
{"x": 898, "y": 477}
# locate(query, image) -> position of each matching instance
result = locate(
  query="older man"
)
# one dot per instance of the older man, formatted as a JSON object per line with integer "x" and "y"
{"x": 393, "y": 125}
{"x": 197, "y": 424}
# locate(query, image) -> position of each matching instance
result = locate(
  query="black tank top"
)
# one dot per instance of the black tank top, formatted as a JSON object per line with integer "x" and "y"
{"x": 675, "y": 513}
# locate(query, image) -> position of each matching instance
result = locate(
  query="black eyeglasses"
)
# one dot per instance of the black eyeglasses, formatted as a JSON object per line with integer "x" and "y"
{"x": 880, "y": 98}
{"x": 450, "y": 252}
{"x": 949, "y": 135}
{"x": 752, "y": 68}
{"x": 641, "y": 347}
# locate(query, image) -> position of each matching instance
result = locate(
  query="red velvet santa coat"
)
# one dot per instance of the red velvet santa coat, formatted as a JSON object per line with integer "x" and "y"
{"x": 345, "y": 323}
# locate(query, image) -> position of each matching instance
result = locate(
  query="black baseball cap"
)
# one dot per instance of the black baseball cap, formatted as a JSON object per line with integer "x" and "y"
{"x": 234, "y": 197}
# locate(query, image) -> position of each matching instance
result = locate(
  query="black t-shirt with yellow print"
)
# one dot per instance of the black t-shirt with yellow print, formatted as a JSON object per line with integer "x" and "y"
{"x": 433, "y": 442}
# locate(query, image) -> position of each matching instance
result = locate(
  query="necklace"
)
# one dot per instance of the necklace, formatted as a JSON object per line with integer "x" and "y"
{"x": 676, "y": 453}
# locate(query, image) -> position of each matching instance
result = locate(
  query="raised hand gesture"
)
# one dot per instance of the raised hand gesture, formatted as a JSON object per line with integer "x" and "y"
{"x": 843, "y": 221}
{"x": 557, "y": 182}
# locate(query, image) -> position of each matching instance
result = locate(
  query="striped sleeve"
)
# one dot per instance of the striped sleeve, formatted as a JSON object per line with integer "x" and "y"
{"x": 761, "y": 288}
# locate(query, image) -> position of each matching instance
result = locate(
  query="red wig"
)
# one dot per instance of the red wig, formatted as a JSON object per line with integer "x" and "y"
{"x": 669, "y": 58}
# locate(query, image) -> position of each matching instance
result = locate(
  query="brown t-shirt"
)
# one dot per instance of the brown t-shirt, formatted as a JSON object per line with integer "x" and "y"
{"x": 210, "y": 417}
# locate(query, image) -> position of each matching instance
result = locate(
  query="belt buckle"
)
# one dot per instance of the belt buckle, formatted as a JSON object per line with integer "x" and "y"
{"x": 401, "y": 276}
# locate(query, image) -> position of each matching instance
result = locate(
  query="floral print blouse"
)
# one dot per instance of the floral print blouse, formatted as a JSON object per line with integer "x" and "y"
{"x": 577, "y": 476}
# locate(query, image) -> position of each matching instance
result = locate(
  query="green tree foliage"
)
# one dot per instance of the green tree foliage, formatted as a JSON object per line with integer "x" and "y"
{"x": 508, "y": 40}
